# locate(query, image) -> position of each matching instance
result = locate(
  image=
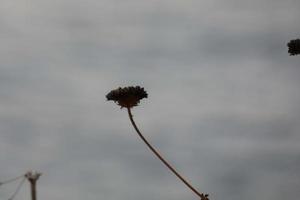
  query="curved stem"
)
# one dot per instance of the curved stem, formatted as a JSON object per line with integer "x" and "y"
{"x": 201, "y": 195}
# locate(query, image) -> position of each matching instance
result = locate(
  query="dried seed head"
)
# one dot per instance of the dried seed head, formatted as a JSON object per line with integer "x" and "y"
{"x": 294, "y": 47}
{"x": 127, "y": 96}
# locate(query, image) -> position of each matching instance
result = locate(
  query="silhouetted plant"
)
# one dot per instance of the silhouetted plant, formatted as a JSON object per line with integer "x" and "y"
{"x": 130, "y": 96}
{"x": 294, "y": 47}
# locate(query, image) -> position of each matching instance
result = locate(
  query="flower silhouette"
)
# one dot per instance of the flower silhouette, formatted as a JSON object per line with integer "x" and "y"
{"x": 127, "y": 96}
{"x": 294, "y": 47}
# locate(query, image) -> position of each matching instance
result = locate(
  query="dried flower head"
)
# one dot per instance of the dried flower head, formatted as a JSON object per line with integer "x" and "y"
{"x": 127, "y": 96}
{"x": 294, "y": 47}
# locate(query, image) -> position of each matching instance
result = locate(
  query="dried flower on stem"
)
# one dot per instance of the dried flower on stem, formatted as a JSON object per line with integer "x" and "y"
{"x": 131, "y": 96}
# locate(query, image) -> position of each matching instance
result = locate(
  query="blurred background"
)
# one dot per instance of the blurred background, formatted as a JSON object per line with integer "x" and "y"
{"x": 223, "y": 102}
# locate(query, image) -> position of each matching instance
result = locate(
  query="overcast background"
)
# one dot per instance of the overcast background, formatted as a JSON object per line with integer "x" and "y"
{"x": 223, "y": 102}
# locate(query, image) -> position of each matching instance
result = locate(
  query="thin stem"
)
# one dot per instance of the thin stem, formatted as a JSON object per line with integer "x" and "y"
{"x": 17, "y": 190}
{"x": 11, "y": 180}
{"x": 201, "y": 195}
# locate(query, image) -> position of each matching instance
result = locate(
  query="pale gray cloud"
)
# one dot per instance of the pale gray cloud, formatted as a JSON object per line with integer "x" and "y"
{"x": 222, "y": 107}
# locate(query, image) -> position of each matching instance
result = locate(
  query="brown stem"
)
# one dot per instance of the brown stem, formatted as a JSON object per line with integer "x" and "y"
{"x": 201, "y": 195}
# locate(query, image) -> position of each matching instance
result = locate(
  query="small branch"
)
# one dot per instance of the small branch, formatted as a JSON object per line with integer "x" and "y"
{"x": 32, "y": 177}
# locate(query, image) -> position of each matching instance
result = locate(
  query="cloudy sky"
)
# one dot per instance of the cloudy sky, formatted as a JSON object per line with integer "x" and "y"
{"x": 223, "y": 102}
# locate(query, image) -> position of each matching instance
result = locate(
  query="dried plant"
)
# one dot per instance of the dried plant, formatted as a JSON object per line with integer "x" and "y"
{"x": 128, "y": 97}
{"x": 294, "y": 47}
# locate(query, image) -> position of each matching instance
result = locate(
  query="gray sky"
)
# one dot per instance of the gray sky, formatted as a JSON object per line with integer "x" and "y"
{"x": 223, "y": 102}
